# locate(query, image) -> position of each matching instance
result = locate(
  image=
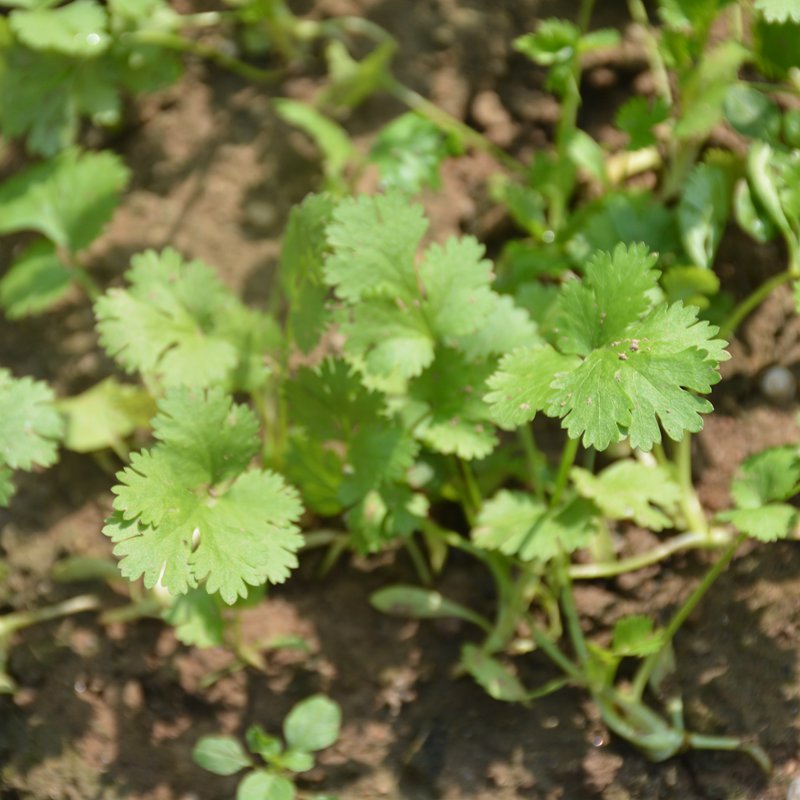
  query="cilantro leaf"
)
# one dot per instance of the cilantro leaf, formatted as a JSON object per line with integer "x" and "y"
{"x": 636, "y": 636}
{"x": 409, "y": 152}
{"x": 628, "y": 489}
{"x": 447, "y": 402}
{"x": 637, "y": 117}
{"x": 635, "y": 372}
{"x": 518, "y": 524}
{"x": 69, "y": 198}
{"x": 765, "y": 481}
{"x": 79, "y": 28}
{"x": 34, "y": 282}
{"x": 779, "y": 10}
{"x": 196, "y": 619}
{"x": 30, "y": 428}
{"x": 187, "y": 511}
{"x": 381, "y": 516}
{"x": 522, "y": 386}
{"x": 179, "y": 323}
{"x": 374, "y": 242}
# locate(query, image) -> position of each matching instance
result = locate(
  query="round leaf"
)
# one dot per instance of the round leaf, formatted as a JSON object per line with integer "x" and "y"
{"x": 222, "y": 755}
{"x": 313, "y": 724}
{"x": 261, "y": 785}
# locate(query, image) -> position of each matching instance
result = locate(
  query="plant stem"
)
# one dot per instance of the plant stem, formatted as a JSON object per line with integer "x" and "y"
{"x": 471, "y": 495}
{"x": 173, "y": 41}
{"x": 550, "y": 649}
{"x": 567, "y": 460}
{"x": 533, "y": 458}
{"x": 690, "y": 505}
{"x": 752, "y": 301}
{"x": 448, "y": 123}
{"x": 693, "y": 540}
{"x": 571, "y": 612}
{"x": 23, "y": 619}
{"x": 658, "y": 68}
{"x": 648, "y": 665}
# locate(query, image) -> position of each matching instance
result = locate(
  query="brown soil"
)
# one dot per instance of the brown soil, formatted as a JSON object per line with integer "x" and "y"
{"x": 113, "y": 712}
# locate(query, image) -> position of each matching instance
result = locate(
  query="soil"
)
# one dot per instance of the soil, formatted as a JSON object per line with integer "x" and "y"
{"x": 113, "y": 711}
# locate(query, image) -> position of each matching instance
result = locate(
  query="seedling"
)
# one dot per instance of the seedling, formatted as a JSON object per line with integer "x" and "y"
{"x": 312, "y": 725}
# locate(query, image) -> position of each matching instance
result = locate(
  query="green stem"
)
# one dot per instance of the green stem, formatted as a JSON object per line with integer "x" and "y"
{"x": 648, "y": 665}
{"x": 658, "y": 68}
{"x": 533, "y": 459}
{"x": 571, "y": 612}
{"x": 23, "y": 619}
{"x": 448, "y": 123}
{"x": 173, "y": 41}
{"x": 690, "y": 504}
{"x": 550, "y": 649}
{"x": 693, "y": 540}
{"x": 752, "y": 301}
{"x": 567, "y": 460}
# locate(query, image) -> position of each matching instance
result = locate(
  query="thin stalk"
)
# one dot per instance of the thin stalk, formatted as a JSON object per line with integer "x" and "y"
{"x": 513, "y": 602}
{"x": 17, "y": 620}
{"x": 752, "y": 301}
{"x": 173, "y": 41}
{"x": 571, "y": 613}
{"x": 648, "y": 665}
{"x": 419, "y": 561}
{"x": 321, "y": 538}
{"x": 567, "y": 460}
{"x": 693, "y": 540}
{"x": 690, "y": 505}
{"x": 658, "y": 68}
{"x": 550, "y": 649}
{"x": 468, "y": 490}
{"x": 533, "y": 459}
{"x": 447, "y": 122}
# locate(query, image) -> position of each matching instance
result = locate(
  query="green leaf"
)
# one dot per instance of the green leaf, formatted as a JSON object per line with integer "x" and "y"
{"x": 507, "y": 327}
{"x": 351, "y": 81}
{"x": 767, "y": 523}
{"x": 263, "y": 785}
{"x": 331, "y": 139}
{"x": 520, "y": 525}
{"x": 776, "y": 46}
{"x": 522, "y": 385}
{"x": 374, "y": 242}
{"x": 752, "y": 113}
{"x": 418, "y": 603}
{"x": 751, "y": 215}
{"x": 409, "y": 152}
{"x": 30, "y": 427}
{"x": 446, "y": 401}
{"x": 703, "y": 211}
{"x": 104, "y": 415}
{"x": 179, "y": 323}
{"x": 263, "y": 744}
{"x": 77, "y": 29}
{"x": 69, "y": 198}
{"x": 222, "y": 755}
{"x": 197, "y": 619}
{"x": 635, "y": 636}
{"x": 35, "y": 281}
{"x": 493, "y": 676}
{"x": 637, "y": 117}
{"x": 187, "y": 512}
{"x": 625, "y": 217}
{"x": 705, "y": 88}
{"x": 779, "y": 10}
{"x": 313, "y": 724}
{"x": 773, "y": 474}
{"x": 637, "y": 370}
{"x": 691, "y": 285}
{"x": 394, "y": 512}
{"x": 587, "y": 154}
{"x": 297, "y": 761}
{"x": 554, "y": 42}
{"x": 628, "y": 489}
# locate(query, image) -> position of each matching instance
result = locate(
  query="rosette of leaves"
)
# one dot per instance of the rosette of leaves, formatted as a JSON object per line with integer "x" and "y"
{"x": 622, "y": 366}
{"x": 62, "y": 63}
{"x": 424, "y": 328}
{"x": 312, "y": 725}
{"x": 191, "y": 511}
{"x": 30, "y": 428}
{"x": 179, "y": 325}
{"x": 68, "y": 200}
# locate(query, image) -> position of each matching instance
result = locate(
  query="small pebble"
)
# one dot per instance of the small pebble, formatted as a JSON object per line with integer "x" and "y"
{"x": 778, "y": 384}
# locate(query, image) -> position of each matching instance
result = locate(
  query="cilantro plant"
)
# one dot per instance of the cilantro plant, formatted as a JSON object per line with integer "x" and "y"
{"x": 312, "y": 725}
